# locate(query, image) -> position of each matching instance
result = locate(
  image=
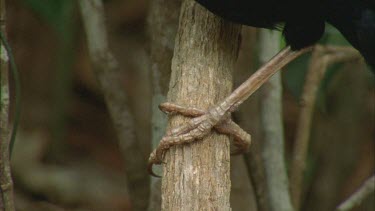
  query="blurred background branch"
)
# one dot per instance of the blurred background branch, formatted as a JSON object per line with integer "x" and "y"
{"x": 107, "y": 72}
{"x": 248, "y": 117}
{"x": 272, "y": 125}
{"x": 321, "y": 58}
{"x": 85, "y": 183}
{"x": 162, "y": 24}
{"x": 357, "y": 197}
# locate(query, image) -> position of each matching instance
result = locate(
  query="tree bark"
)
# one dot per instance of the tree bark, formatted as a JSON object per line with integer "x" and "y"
{"x": 6, "y": 182}
{"x": 162, "y": 29}
{"x": 196, "y": 176}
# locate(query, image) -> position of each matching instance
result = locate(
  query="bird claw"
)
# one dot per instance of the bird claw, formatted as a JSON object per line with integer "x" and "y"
{"x": 196, "y": 128}
{"x": 151, "y": 161}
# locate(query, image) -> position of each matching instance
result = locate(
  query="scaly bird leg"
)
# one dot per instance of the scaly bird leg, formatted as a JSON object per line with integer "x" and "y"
{"x": 218, "y": 116}
{"x": 241, "y": 138}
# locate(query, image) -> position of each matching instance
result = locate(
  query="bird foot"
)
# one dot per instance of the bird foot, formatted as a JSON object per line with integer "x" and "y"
{"x": 197, "y": 128}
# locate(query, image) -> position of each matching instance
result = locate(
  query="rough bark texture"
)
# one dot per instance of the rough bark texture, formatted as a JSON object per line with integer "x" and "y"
{"x": 273, "y": 150}
{"x": 196, "y": 176}
{"x": 162, "y": 29}
{"x": 6, "y": 183}
{"x": 108, "y": 74}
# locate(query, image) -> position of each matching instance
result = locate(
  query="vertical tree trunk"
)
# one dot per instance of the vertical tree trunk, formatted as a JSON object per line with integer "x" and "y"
{"x": 6, "y": 183}
{"x": 196, "y": 176}
{"x": 273, "y": 150}
{"x": 162, "y": 28}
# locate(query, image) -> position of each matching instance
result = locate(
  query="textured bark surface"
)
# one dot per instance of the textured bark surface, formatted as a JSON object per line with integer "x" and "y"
{"x": 6, "y": 183}
{"x": 196, "y": 176}
{"x": 162, "y": 29}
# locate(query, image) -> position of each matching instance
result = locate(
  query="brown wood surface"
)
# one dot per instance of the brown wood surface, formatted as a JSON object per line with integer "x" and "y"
{"x": 197, "y": 176}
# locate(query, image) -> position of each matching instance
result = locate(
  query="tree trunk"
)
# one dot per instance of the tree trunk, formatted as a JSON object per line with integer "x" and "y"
{"x": 6, "y": 183}
{"x": 196, "y": 176}
{"x": 273, "y": 148}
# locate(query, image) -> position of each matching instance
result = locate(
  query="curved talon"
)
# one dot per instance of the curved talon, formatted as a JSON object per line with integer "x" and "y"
{"x": 151, "y": 161}
{"x": 151, "y": 171}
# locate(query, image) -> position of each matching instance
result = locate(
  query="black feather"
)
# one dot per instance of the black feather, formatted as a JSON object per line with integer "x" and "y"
{"x": 304, "y": 20}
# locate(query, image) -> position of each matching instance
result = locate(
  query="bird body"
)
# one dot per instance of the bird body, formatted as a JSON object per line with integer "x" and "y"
{"x": 263, "y": 13}
{"x": 304, "y": 20}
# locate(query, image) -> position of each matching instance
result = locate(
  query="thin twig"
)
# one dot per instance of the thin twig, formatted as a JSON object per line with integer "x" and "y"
{"x": 322, "y": 57}
{"x": 108, "y": 74}
{"x": 358, "y": 196}
{"x": 6, "y": 183}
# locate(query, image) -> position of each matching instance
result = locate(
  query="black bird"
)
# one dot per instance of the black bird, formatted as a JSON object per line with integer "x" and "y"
{"x": 304, "y": 20}
{"x": 303, "y": 23}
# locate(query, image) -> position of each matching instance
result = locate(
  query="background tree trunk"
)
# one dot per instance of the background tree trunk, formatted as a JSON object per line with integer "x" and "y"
{"x": 107, "y": 71}
{"x": 271, "y": 112}
{"x": 247, "y": 175}
{"x": 162, "y": 28}
{"x": 197, "y": 176}
{"x": 248, "y": 117}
